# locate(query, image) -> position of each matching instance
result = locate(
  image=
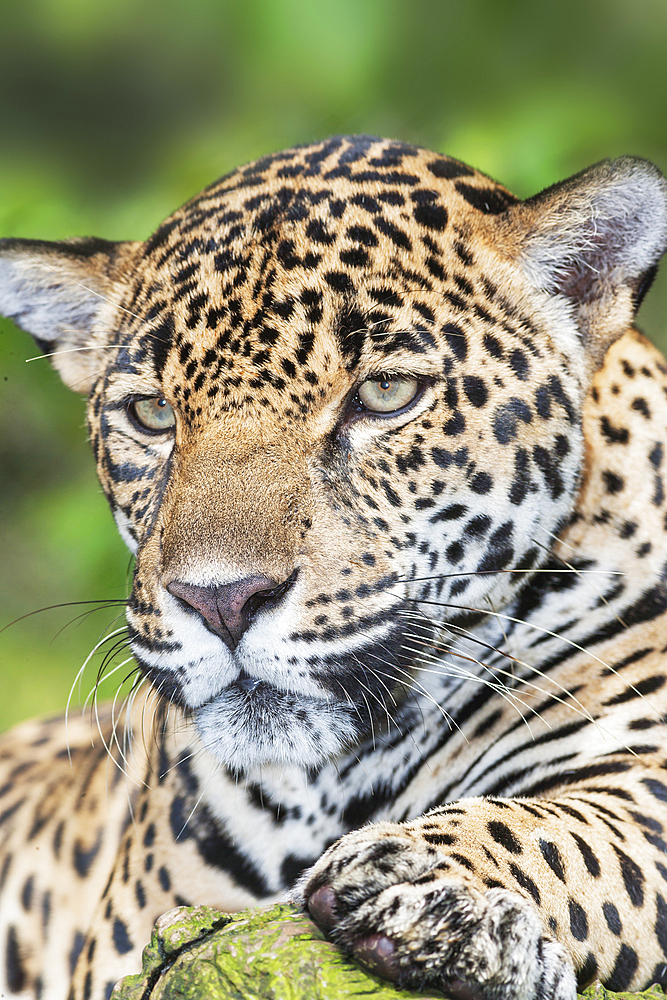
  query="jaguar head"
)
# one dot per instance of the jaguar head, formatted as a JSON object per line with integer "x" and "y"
{"x": 335, "y": 406}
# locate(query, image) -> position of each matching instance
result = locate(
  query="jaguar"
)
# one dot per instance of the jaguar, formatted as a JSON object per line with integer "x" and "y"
{"x": 390, "y": 456}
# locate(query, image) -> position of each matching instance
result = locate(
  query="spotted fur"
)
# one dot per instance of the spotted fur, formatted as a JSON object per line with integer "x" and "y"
{"x": 425, "y": 644}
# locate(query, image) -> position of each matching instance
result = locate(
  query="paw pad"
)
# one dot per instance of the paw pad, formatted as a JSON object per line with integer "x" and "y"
{"x": 322, "y": 907}
{"x": 379, "y": 954}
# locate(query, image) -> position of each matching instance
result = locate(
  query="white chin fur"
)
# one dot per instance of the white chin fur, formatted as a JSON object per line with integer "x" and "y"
{"x": 244, "y": 730}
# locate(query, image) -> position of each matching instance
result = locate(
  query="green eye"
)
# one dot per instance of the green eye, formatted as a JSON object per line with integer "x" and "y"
{"x": 387, "y": 393}
{"x": 153, "y": 414}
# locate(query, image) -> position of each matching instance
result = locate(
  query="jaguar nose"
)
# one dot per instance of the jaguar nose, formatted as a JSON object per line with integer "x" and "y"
{"x": 228, "y": 609}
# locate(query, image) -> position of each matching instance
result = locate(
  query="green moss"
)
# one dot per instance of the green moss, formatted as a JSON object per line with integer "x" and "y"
{"x": 272, "y": 954}
{"x": 599, "y": 992}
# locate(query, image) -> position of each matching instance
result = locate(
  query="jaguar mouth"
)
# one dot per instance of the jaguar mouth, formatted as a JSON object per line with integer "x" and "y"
{"x": 256, "y": 701}
{"x": 244, "y": 682}
{"x": 251, "y": 723}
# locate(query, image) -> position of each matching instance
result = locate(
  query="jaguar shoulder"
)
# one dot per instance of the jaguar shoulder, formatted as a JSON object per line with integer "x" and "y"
{"x": 390, "y": 457}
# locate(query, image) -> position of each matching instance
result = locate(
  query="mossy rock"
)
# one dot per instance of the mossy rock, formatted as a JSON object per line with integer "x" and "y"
{"x": 599, "y": 992}
{"x": 270, "y": 954}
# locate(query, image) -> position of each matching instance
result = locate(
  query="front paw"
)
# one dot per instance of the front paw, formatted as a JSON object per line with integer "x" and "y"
{"x": 421, "y": 919}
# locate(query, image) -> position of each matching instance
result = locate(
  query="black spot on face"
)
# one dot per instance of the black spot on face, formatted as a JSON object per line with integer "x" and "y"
{"x": 456, "y": 341}
{"x": 612, "y": 482}
{"x": 448, "y": 169}
{"x": 656, "y": 455}
{"x": 440, "y": 839}
{"x": 481, "y": 483}
{"x": 27, "y": 893}
{"x": 488, "y": 200}
{"x": 519, "y": 364}
{"x": 164, "y": 878}
{"x": 162, "y": 339}
{"x": 641, "y": 406}
{"x": 613, "y": 435}
{"x": 661, "y": 923}
{"x": 317, "y": 231}
{"x": 507, "y": 418}
{"x": 493, "y": 346}
{"x": 656, "y": 788}
{"x": 476, "y": 390}
{"x": 587, "y": 973}
{"x": 75, "y": 950}
{"x": 455, "y": 425}
{"x": 428, "y": 212}
{"x": 478, "y": 526}
{"x": 642, "y": 688}
{"x": 82, "y": 858}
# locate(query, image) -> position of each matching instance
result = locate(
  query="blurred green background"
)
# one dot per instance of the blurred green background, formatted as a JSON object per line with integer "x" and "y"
{"x": 113, "y": 112}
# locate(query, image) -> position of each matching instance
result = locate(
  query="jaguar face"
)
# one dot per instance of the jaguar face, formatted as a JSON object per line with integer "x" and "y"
{"x": 334, "y": 405}
{"x": 326, "y": 432}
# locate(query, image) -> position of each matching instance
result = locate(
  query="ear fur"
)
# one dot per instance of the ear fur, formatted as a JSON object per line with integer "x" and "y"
{"x": 64, "y": 294}
{"x": 596, "y": 239}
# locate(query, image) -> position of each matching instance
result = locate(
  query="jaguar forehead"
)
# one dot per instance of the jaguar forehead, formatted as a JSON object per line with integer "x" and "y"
{"x": 271, "y": 238}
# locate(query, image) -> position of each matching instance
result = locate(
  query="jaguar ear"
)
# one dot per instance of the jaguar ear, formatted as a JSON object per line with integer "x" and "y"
{"x": 596, "y": 239}
{"x": 66, "y": 295}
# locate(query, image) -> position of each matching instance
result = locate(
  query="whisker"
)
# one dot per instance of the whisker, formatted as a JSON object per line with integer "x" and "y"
{"x": 83, "y": 615}
{"x": 415, "y": 685}
{"x": 95, "y": 688}
{"x": 75, "y": 350}
{"x": 108, "y": 746}
{"x": 457, "y": 670}
{"x": 128, "y": 731}
{"x": 597, "y": 593}
{"x": 123, "y": 643}
{"x": 380, "y": 701}
{"x": 78, "y": 677}
{"x": 564, "y": 698}
{"x": 68, "y": 279}
{"x": 126, "y": 747}
{"x": 459, "y": 574}
{"x": 508, "y": 656}
{"x": 556, "y": 635}
{"x": 215, "y": 771}
{"x": 102, "y": 604}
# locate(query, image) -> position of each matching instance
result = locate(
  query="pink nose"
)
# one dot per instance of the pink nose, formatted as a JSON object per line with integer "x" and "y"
{"x": 228, "y": 609}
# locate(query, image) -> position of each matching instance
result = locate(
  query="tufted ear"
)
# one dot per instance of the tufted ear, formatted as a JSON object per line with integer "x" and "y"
{"x": 65, "y": 294}
{"x": 596, "y": 239}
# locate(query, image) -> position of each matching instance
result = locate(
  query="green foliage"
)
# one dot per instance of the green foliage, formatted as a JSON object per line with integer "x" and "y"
{"x": 116, "y": 111}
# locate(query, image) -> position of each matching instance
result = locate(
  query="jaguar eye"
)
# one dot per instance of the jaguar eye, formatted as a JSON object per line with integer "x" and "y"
{"x": 153, "y": 414}
{"x": 387, "y": 393}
